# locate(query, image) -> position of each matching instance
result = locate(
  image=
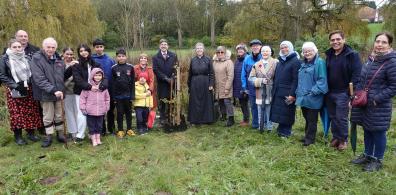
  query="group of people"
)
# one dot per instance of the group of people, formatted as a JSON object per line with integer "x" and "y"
{"x": 274, "y": 87}
{"x": 40, "y": 84}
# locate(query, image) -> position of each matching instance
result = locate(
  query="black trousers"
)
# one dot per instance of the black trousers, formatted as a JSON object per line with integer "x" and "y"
{"x": 110, "y": 119}
{"x": 124, "y": 107}
{"x": 311, "y": 121}
{"x": 141, "y": 118}
{"x": 163, "y": 109}
{"x": 94, "y": 124}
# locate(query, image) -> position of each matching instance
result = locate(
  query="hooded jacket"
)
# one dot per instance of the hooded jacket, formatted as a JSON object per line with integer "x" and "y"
{"x": 248, "y": 63}
{"x": 141, "y": 100}
{"x": 95, "y": 103}
{"x": 106, "y": 63}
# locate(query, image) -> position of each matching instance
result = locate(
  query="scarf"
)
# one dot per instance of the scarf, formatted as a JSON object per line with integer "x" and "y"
{"x": 291, "y": 50}
{"x": 19, "y": 66}
{"x": 377, "y": 54}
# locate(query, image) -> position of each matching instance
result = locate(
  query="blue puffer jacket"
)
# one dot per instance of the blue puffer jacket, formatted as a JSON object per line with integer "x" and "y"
{"x": 237, "y": 83}
{"x": 376, "y": 116}
{"x": 312, "y": 84}
{"x": 246, "y": 68}
{"x": 106, "y": 63}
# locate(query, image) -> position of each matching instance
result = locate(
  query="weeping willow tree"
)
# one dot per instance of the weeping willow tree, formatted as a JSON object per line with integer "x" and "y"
{"x": 69, "y": 21}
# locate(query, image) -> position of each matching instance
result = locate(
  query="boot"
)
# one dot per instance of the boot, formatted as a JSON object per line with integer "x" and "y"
{"x": 98, "y": 139}
{"x": 373, "y": 165}
{"x": 93, "y": 138}
{"x": 230, "y": 121}
{"x": 223, "y": 117}
{"x": 60, "y": 137}
{"x": 47, "y": 141}
{"x": 18, "y": 137}
{"x": 361, "y": 160}
{"x": 32, "y": 137}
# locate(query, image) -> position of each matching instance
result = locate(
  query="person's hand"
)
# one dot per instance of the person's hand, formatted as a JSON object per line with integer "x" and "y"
{"x": 169, "y": 80}
{"x": 226, "y": 92}
{"x": 264, "y": 81}
{"x": 59, "y": 95}
{"x": 291, "y": 98}
{"x": 148, "y": 93}
{"x": 73, "y": 62}
{"x": 94, "y": 88}
{"x": 210, "y": 88}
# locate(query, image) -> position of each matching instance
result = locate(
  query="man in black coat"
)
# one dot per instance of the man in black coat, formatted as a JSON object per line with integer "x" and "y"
{"x": 23, "y": 37}
{"x": 163, "y": 66}
{"x": 343, "y": 66}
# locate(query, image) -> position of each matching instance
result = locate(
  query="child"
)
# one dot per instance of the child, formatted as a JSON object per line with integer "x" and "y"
{"x": 95, "y": 104}
{"x": 143, "y": 102}
{"x": 123, "y": 91}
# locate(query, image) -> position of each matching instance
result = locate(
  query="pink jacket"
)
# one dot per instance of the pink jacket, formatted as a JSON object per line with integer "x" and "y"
{"x": 94, "y": 103}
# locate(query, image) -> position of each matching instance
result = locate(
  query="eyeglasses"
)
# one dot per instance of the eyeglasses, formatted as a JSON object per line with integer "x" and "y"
{"x": 220, "y": 52}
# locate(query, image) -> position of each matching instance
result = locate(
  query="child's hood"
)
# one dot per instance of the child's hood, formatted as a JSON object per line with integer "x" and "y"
{"x": 93, "y": 72}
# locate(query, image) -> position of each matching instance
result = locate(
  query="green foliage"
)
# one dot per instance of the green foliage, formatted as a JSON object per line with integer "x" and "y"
{"x": 225, "y": 41}
{"x": 390, "y": 17}
{"x": 69, "y": 25}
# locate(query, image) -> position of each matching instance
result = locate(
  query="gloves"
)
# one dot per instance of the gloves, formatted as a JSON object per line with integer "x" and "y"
{"x": 22, "y": 89}
{"x": 101, "y": 87}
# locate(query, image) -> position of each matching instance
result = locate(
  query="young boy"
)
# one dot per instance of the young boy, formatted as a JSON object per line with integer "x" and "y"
{"x": 143, "y": 102}
{"x": 123, "y": 91}
{"x": 106, "y": 62}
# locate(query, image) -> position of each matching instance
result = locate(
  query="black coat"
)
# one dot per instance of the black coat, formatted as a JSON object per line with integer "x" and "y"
{"x": 285, "y": 84}
{"x": 5, "y": 73}
{"x": 123, "y": 82}
{"x": 200, "y": 77}
{"x": 376, "y": 116}
{"x": 163, "y": 69}
{"x": 80, "y": 76}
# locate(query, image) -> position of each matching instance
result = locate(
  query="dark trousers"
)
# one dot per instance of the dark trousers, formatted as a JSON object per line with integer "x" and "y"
{"x": 110, "y": 119}
{"x": 375, "y": 143}
{"x": 95, "y": 124}
{"x": 337, "y": 105}
{"x": 311, "y": 124}
{"x": 163, "y": 109}
{"x": 243, "y": 102}
{"x": 253, "y": 109}
{"x": 226, "y": 107}
{"x": 284, "y": 130}
{"x": 124, "y": 107}
{"x": 141, "y": 118}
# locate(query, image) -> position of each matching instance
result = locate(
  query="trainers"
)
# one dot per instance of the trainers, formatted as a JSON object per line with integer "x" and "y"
{"x": 130, "y": 132}
{"x": 342, "y": 146}
{"x": 373, "y": 165}
{"x": 120, "y": 134}
{"x": 361, "y": 160}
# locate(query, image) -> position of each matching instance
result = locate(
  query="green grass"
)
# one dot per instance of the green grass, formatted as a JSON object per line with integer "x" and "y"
{"x": 209, "y": 159}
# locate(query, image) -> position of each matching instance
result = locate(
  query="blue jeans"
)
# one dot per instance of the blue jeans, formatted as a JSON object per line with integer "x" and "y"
{"x": 254, "y": 111}
{"x": 337, "y": 105}
{"x": 264, "y": 116}
{"x": 374, "y": 143}
{"x": 284, "y": 130}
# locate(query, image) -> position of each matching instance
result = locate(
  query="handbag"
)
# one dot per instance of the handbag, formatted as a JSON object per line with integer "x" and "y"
{"x": 17, "y": 94}
{"x": 150, "y": 119}
{"x": 360, "y": 96}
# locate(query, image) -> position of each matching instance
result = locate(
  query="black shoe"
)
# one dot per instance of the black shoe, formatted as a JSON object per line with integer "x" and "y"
{"x": 373, "y": 165}
{"x": 230, "y": 121}
{"x": 60, "y": 137}
{"x": 361, "y": 160}
{"x": 223, "y": 118}
{"x": 307, "y": 143}
{"x": 18, "y": 137}
{"x": 47, "y": 141}
{"x": 79, "y": 140}
{"x": 32, "y": 137}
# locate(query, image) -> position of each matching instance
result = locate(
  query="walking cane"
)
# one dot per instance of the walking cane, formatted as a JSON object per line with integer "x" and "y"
{"x": 64, "y": 122}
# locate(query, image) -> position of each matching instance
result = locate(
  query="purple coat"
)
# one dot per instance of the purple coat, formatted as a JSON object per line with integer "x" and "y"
{"x": 94, "y": 103}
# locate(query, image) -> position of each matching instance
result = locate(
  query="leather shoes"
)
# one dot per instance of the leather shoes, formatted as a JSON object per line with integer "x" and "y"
{"x": 373, "y": 165}
{"x": 342, "y": 146}
{"x": 334, "y": 143}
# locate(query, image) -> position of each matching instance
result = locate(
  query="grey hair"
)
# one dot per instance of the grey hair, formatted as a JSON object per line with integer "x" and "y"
{"x": 310, "y": 45}
{"x": 49, "y": 40}
{"x": 199, "y": 44}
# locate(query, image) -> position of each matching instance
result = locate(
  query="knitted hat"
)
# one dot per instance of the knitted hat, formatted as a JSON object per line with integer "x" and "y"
{"x": 144, "y": 75}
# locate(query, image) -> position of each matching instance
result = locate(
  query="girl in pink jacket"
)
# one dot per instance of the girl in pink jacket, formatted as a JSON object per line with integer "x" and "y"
{"x": 95, "y": 105}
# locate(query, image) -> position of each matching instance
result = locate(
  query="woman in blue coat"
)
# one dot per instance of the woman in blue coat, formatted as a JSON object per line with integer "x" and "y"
{"x": 375, "y": 117}
{"x": 311, "y": 88}
{"x": 283, "y": 109}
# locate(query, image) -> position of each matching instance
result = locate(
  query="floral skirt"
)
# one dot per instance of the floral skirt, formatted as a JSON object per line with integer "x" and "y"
{"x": 24, "y": 112}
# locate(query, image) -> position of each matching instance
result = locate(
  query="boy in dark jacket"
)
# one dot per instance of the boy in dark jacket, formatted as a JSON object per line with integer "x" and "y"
{"x": 123, "y": 91}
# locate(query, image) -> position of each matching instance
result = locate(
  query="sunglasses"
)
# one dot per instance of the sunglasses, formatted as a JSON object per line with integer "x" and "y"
{"x": 220, "y": 52}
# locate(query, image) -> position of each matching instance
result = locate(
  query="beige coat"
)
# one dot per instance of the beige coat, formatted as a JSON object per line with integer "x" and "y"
{"x": 224, "y": 75}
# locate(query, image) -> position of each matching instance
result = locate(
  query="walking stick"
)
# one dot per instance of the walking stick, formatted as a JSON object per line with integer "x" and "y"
{"x": 64, "y": 122}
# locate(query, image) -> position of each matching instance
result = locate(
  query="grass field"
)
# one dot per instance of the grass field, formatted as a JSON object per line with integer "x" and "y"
{"x": 202, "y": 160}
